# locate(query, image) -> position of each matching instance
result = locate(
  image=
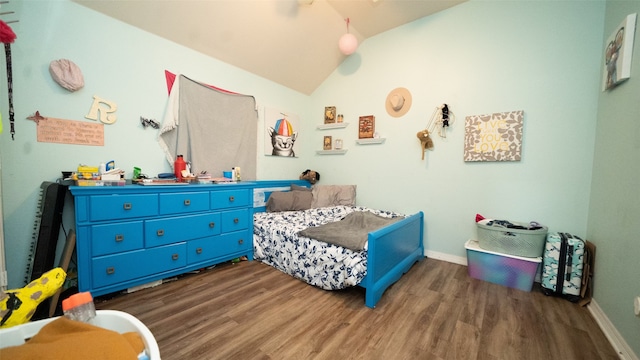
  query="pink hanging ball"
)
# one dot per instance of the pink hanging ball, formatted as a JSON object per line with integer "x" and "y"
{"x": 348, "y": 44}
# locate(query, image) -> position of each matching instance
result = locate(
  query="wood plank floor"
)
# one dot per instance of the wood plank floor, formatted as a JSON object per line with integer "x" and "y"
{"x": 435, "y": 311}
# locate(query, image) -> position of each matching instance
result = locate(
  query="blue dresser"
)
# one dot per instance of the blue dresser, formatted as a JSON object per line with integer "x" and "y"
{"x": 132, "y": 235}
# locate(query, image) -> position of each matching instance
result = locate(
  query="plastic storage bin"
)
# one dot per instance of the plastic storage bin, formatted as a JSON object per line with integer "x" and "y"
{"x": 109, "y": 319}
{"x": 518, "y": 242}
{"x": 508, "y": 270}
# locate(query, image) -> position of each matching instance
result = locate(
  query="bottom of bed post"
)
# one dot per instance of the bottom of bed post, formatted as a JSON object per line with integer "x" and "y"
{"x": 374, "y": 292}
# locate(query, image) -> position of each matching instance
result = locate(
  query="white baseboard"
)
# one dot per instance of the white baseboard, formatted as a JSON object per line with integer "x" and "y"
{"x": 610, "y": 331}
{"x": 446, "y": 257}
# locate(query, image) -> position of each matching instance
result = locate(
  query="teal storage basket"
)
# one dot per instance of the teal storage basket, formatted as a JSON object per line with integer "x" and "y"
{"x": 518, "y": 242}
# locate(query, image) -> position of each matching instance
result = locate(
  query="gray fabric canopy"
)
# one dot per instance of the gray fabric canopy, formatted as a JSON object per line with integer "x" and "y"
{"x": 213, "y": 129}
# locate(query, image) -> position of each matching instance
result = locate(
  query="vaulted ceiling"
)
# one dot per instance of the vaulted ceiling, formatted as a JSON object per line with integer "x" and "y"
{"x": 291, "y": 42}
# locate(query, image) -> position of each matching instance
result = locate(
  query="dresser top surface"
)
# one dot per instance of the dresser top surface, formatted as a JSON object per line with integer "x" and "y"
{"x": 141, "y": 189}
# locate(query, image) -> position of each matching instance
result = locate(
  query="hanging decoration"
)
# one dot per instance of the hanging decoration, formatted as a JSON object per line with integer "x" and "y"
{"x": 398, "y": 102}
{"x": 441, "y": 119}
{"x": 425, "y": 141}
{"x": 149, "y": 122}
{"x": 66, "y": 74}
{"x": 7, "y": 36}
{"x": 97, "y": 112}
{"x": 348, "y": 43}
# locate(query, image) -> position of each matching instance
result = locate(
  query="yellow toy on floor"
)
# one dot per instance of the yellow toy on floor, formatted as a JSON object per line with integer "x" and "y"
{"x": 17, "y": 306}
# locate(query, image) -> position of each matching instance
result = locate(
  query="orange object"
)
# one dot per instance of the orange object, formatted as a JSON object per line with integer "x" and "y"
{"x": 178, "y": 166}
{"x": 76, "y": 300}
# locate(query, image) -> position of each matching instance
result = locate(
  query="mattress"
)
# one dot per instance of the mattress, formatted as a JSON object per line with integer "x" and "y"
{"x": 330, "y": 267}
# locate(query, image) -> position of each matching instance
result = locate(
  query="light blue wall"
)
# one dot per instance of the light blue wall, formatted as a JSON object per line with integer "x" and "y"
{"x": 479, "y": 57}
{"x": 121, "y": 64}
{"x": 615, "y": 196}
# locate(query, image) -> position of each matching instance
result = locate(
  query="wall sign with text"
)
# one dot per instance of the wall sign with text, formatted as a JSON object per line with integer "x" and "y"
{"x": 64, "y": 131}
{"x": 493, "y": 137}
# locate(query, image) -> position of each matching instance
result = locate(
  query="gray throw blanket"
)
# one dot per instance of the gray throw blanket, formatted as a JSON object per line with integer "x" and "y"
{"x": 215, "y": 130}
{"x": 350, "y": 232}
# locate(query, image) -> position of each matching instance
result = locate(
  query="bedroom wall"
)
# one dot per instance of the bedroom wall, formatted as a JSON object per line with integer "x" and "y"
{"x": 479, "y": 57}
{"x": 615, "y": 200}
{"x": 121, "y": 64}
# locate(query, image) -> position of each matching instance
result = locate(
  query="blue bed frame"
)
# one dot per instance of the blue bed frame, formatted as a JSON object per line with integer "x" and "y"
{"x": 392, "y": 250}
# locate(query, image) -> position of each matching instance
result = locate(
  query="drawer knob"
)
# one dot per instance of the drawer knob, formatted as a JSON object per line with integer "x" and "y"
{"x": 212, "y": 224}
{"x": 240, "y": 241}
{"x": 199, "y": 251}
{"x": 174, "y": 256}
{"x": 160, "y": 232}
{"x": 111, "y": 270}
{"x": 236, "y": 220}
{"x": 119, "y": 238}
{"x": 187, "y": 202}
{"x": 231, "y": 198}
{"x": 127, "y": 206}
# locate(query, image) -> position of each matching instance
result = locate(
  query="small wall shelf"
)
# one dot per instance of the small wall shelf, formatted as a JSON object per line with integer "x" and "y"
{"x": 370, "y": 141}
{"x": 333, "y": 126}
{"x": 331, "y": 152}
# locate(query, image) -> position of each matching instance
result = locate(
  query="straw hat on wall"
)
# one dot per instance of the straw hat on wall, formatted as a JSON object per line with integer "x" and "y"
{"x": 398, "y": 102}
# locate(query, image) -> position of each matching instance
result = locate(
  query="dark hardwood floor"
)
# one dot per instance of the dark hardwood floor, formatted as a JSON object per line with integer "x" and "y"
{"x": 435, "y": 311}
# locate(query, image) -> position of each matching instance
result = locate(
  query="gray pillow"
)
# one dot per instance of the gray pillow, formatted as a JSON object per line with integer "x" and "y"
{"x": 333, "y": 195}
{"x": 289, "y": 201}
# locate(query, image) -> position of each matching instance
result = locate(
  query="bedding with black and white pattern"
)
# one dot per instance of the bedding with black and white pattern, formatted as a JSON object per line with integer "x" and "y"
{"x": 276, "y": 242}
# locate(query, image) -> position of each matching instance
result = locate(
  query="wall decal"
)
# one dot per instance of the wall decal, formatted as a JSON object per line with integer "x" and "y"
{"x": 281, "y": 133}
{"x": 107, "y": 116}
{"x": 494, "y": 137}
{"x": 618, "y": 52}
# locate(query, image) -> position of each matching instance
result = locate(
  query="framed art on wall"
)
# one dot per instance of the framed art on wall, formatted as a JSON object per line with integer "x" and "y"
{"x": 493, "y": 137}
{"x": 327, "y": 143}
{"x": 329, "y": 114}
{"x": 618, "y": 53}
{"x": 281, "y": 132}
{"x": 366, "y": 126}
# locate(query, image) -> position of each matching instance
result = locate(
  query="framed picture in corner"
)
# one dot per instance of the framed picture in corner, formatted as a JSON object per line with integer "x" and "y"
{"x": 618, "y": 53}
{"x": 366, "y": 126}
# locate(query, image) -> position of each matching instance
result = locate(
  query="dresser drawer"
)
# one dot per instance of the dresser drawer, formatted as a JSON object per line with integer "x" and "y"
{"x": 234, "y": 220}
{"x": 217, "y": 246}
{"x": 115, "y": 238}
{"x": 229, "y": 198}
{"x": 184, "y": 202}
{"x": 169, "y": 230}
{"x": 108, "y": 207}
{"x": 113, "y": 269}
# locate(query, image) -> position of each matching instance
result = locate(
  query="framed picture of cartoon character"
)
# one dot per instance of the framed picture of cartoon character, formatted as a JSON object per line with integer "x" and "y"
{"x": 618, "y": 52}
{"x": 280, "y": 133}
